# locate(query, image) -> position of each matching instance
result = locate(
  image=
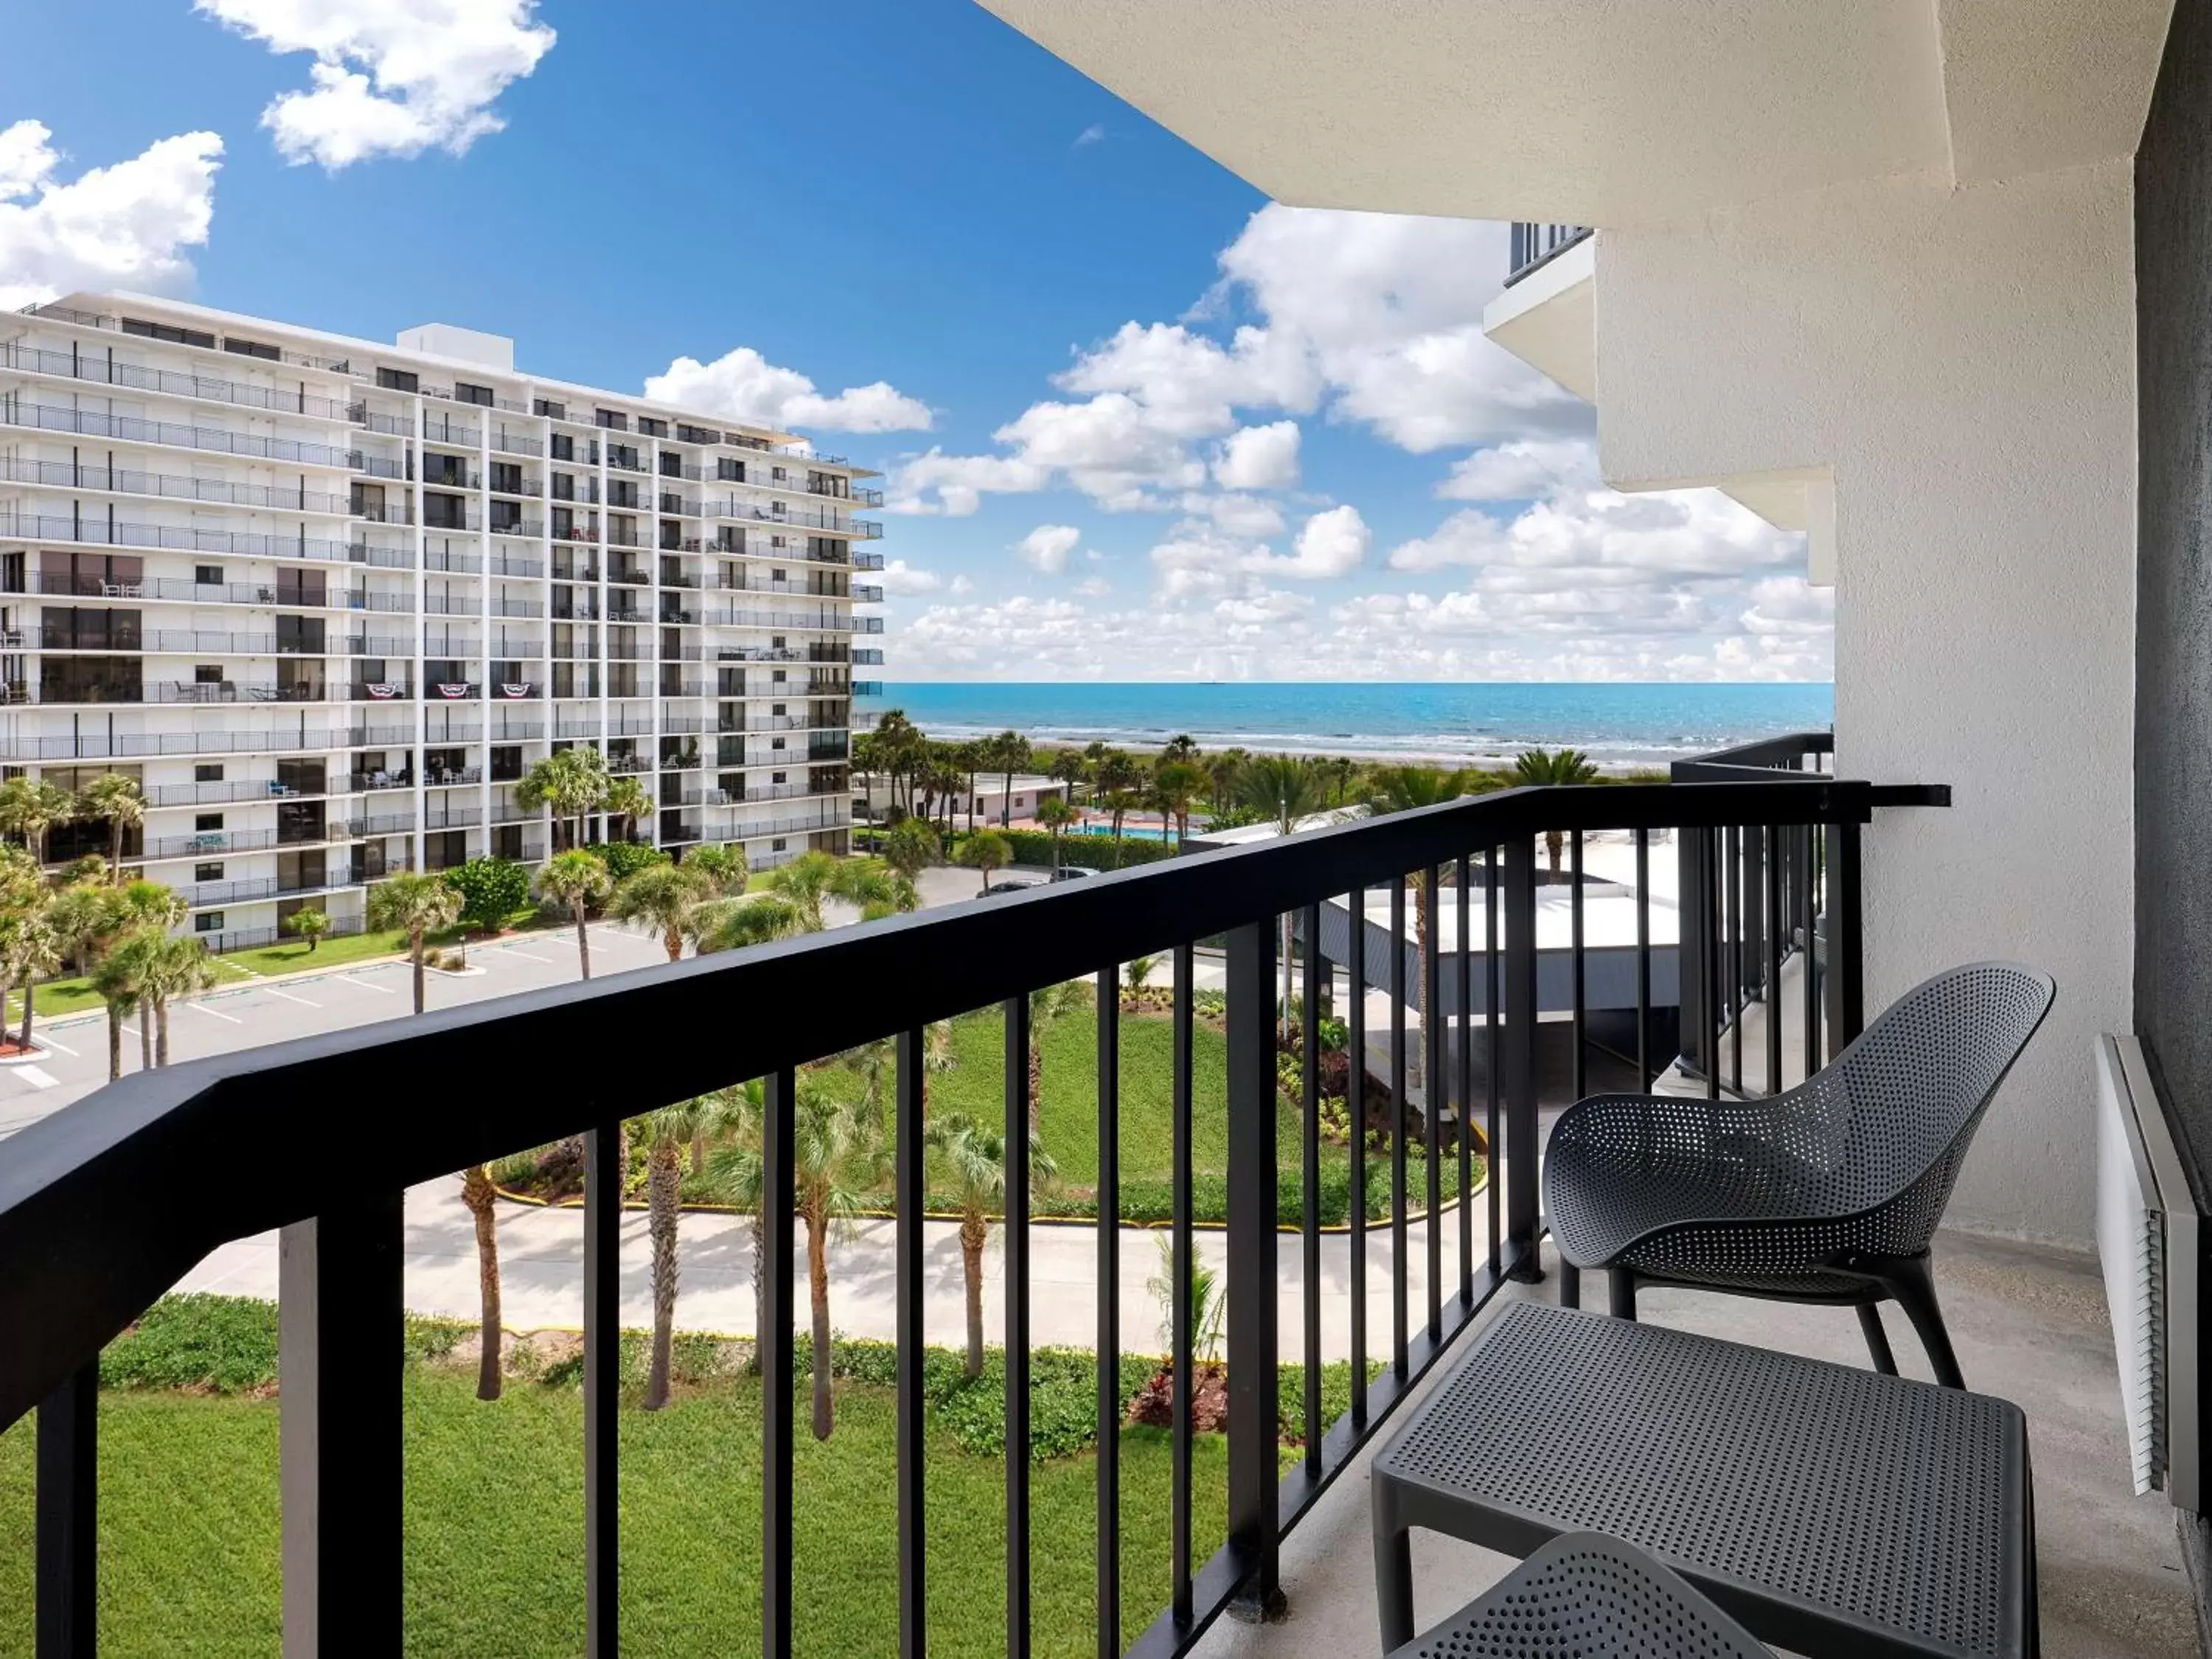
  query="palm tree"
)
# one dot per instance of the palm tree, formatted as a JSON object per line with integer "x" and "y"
{"x": 977, "y": 1159}
{"x": 30, "y": 950}
{"x": 1055, "y": 814}
{"x": 1048, "y": 1003}
{"x": 670, "y": 1128}
{"x": 179, "y": 967}
{"x": 985, "y": 851}
{"x": 1006, "y": 754}
{"x": 119, "y": 979}
{"x": 418, "y": 905}
{"x": 721, "y": 864}
{"x": 119, "y": 801}
{"x": 84, "y": 915}
{"x": 481, "y": 1198}
{"x": 1553, "y": 766}
{"x": 802, "y": 882}
{"x": 1181, "y": 747}
{"x": 309, "y": 924}
{"x": 30, "y": 807}
{"x": 910, "y": 848}
{"x": 579, "y": 880}
{"x": 571, "y": 785}
{"x": 1403, "y": 789}
{"x": 1071, "y": 767}
{"x": 733, "y": 924}
{"x": 971, "y": 759}
{"x": 625, "y": 799}
{"x": 1177, "y": 782}
{"x": 836, "y": 1159}
{"x": 662, "y": 898}
{"x": 1282, "y": 789}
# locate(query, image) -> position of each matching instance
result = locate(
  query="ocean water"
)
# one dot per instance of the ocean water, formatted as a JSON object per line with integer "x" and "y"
{"x": 1618, "y": 725}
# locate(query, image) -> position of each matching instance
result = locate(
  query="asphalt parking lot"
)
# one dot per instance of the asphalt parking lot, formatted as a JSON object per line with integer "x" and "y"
{"x": 303, "y": 1005}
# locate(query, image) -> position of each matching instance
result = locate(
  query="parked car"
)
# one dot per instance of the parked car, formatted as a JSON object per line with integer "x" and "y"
{"x": 1010, "y": 887}
{"x": 1072, "y": 873}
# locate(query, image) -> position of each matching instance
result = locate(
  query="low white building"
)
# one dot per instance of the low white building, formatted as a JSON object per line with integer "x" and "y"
{"x": 994, "y": 799}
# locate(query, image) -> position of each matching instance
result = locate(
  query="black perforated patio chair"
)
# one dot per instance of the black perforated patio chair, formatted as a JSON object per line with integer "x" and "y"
{"x": 1829, "y": 1193}
{"x": 1585, "y": 1596}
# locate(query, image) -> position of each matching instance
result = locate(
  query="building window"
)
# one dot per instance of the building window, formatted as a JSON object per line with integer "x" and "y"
{"x": 613, "y": 419}
{"x": 777, "y": 675}
{"x": 207, "y": 872}
{"x": 652, "y": 426}
{"x": 564, "y": 446}
{"x": 778, "y": 777}
{"x": 208, "y": 772}
{"x": 397, "y": 379}
{"x": 205, "y": 821}
{"x": 207, "y": 922}
{"x": 552, "y": 411}
{"x": 207, "y": 673}
{"x": 777, "y": 845}
{"x": 250, "y": 348}
{"x": 208, "y": 575}
{"x": 465, "y": 393}
{"x": 175, "y": 336}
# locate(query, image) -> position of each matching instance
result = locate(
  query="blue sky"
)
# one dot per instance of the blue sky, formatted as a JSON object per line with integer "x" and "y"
{"x": 1136, "y": 421}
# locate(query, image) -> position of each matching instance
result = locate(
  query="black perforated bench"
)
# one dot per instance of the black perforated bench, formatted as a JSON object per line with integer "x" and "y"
{"x": 1832, "y": 1510}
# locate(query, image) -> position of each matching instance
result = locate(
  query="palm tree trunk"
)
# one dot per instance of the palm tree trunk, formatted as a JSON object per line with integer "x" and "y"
{"x": 818, "y": 1270}
{"x": 672, "y": 942}
{"x": 30, "y": 993}
{"x": 1554, "y": 840}
{"x": 583, "y": 943}
{"x": 699, "y": 1153}
{"x": 114, "y": 1043}
{"x": 415, "y": 949}
{"x": 973, "y": 1232}
{"x": 162, "y": 1032}
{"x": 145, "y": 1040}
{"x": 115, "y": 849}
{"x": 479, "y": 1196}
{"x": 665, "y": 1169}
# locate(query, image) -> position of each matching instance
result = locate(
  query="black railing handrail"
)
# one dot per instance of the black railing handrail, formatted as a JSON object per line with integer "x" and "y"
{"x": 240, "y": 1107}
{"x": 1747, "y": 762}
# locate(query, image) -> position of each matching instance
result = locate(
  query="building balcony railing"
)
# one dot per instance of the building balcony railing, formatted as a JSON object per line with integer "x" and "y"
{"x": 451, "y": 818}
{"x": 452, "y": 777}
{"x": 268, "y": 596}
{"x": 861, "y": 560}
{"x": 103, "y": 532}
{"x": 210, "y": 844}
{"x": 441, "y": 429}
{"x": 868, "y": 656}
{"x": 361, "y": 783}
{"x": 796, "y": 518}
{"x": 515, "y": 442}
{"x": 130, "y": 428}
{"x": 507, "y": 564}
{"x": 139, "y": 745}
{"x": 197, "y": 643}
{"x": 169, "y": 383}
{"x": 201, "y": 895}
{"x": 867, "y": 688}
{"x": 122, "y": 481}
{"x": 71, "y": 315}
{"x": 225, "y": 792}
{"x": 1533, "y": 244}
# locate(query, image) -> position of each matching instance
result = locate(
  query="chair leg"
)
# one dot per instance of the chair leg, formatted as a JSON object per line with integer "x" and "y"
{"x": 1571, "y": 1284}
{"x": 1622, "y": 1282}
{"x": 1877, "y": 1340}
{"x": 1913, "y": 1281}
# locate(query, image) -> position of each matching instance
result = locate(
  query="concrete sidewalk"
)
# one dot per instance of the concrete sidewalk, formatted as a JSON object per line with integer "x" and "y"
{"x": 541, "y": 1272}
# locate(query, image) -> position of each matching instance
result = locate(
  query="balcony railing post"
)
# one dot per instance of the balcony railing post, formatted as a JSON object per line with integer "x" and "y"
{"x": 341, "y": 1474}
{"x": 68, "y": 1535}
{"x": 1255, "y": 1520}
{"x": 1522, "y": 1260}
{"x": 1846, "y": 949}
{"x": 1693, "y": 973}
{"x": 602, "y": 1390}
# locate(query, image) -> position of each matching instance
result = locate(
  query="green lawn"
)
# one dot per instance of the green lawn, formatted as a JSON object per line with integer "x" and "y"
{"x": 189, "y": 1529}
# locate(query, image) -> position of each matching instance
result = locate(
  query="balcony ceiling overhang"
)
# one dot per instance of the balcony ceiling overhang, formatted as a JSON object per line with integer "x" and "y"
{"x": 1614, "y": 114}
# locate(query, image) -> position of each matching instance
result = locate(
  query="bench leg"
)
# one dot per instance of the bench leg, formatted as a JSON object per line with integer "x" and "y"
{"x": 1622, "y": 1281}
{"x": 1571, "y": 1284}
{"x": 1877, "y": 1340}
{"x": 1394, "y": 1579}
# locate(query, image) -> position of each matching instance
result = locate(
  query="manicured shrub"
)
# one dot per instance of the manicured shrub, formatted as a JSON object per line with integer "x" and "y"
{"x": 1034, "y": 846}
{"x": 227, "y": 1344}
{"x": 491, "y": 889}
{"x": 626, "y": 858}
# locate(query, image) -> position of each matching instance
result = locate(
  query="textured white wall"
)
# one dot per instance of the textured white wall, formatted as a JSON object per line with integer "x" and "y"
{"x": 1964, "y": 360}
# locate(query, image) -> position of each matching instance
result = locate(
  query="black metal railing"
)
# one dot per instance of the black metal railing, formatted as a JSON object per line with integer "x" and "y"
{"x": 95, "y": 1222}
{"x": 1533, "y": 244}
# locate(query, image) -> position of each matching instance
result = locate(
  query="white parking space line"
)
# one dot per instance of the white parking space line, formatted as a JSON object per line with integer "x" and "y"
{"x": 40, "y": 1039}
{"x": 509, "y": 951}
{"x": 211, "y": 1013}
{"x": 270, "y": 990}
{"x": 367, "y": 985}
{"x": 37, "y": 1077}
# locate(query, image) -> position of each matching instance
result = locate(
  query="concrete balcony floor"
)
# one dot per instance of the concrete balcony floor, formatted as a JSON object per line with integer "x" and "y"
{"x": 2028, "y": 1324}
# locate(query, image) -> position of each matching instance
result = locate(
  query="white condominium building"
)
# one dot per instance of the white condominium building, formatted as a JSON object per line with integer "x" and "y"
{"x": 328, "y": 601}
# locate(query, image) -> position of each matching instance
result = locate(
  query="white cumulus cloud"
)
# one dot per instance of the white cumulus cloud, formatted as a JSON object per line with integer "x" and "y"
{"x": 391, "y": 77}
{"x": 745, "y": 386}
{"x": 1047, "y": 547}
{"x": 900, "y": 578}
{"x": 122, "y": 226}
{"x": 1259, "y": 458}
{"x": 1522, "y": 470}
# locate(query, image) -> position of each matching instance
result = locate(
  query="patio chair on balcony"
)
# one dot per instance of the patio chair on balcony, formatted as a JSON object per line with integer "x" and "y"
{"x": 1829, "y": 1193}
{"x": 1593, "y": 1596}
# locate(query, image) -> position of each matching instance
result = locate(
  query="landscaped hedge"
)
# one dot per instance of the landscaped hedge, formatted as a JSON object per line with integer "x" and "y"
{"x": 1153, "y": 1200}
{"x": 1092, "y": 852}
